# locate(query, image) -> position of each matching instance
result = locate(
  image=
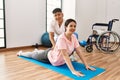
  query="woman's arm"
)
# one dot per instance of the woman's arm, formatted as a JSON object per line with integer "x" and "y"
{"x": 78, "y": 51}
{"x": 69, "y": 64}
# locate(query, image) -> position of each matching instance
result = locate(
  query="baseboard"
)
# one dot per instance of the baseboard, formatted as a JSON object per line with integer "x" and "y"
{"x": 18, "y": 48}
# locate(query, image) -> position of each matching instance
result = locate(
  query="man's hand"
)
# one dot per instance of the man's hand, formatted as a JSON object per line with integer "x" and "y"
{"x": 53, "y": 47}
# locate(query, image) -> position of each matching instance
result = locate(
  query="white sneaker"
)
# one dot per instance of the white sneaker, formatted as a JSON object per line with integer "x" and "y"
{"x": 73, "y": 58}
{"x": 19, "y": 53}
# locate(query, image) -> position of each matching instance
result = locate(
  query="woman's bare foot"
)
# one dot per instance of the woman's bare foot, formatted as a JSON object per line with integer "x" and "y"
{"x": 19, "y": 53}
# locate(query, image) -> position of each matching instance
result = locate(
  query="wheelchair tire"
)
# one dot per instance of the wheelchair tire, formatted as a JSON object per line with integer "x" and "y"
{"x": 89, "y": 48}
{"x": 108, "y": 42}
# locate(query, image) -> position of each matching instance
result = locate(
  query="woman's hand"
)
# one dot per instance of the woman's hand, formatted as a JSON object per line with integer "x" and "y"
{"x": 77, "y": 73}
{"x": 90, "y": 68}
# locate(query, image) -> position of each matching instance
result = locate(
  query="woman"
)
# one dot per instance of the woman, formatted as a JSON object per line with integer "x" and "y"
{"x": 64, "y": 47}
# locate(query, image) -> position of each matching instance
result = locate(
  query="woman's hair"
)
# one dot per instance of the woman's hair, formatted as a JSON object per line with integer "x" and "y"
{"x": 69, "y": 21}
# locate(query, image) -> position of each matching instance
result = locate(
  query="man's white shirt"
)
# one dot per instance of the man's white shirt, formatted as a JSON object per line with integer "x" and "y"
{"x": 54, "y": 27}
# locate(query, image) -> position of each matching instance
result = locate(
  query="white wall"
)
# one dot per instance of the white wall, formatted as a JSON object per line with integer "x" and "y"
{"x": 113, "y": 11}
{"x": 68, "y": 7}
{"x": 90, "y": 12}
{"x": 26, "y": 19}
{"x": 85, "y": 16}
{"x": 25, "y": 22}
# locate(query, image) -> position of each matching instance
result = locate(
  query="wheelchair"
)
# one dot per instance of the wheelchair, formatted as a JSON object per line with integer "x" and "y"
{"x": 103, "y": 38}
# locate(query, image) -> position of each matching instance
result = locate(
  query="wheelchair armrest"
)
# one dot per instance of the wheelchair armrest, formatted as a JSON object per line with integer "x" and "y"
{"x": 99, "y": 24}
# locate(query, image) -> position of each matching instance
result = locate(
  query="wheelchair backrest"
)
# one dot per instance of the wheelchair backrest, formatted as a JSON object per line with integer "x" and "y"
{"x": 102, "y": 27}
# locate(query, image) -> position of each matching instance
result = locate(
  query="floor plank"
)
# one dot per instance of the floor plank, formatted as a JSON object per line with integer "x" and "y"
{"x": 14, "y": 68}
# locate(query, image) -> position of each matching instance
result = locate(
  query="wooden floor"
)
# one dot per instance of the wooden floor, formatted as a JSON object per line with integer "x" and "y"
{"x": 14, "y": 68}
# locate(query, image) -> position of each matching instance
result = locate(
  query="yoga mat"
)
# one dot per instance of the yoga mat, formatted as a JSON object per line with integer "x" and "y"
{"x": 65, "y": 70}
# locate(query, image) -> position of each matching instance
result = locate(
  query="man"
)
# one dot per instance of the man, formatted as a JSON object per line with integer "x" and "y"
{"x": 57, "y": 26}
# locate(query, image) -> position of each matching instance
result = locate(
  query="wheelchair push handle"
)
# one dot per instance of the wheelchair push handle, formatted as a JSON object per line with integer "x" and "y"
{"x": 113, "y": 20}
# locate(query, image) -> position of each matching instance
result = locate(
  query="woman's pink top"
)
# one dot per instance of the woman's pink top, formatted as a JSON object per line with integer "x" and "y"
{"x": 54, "y": 56}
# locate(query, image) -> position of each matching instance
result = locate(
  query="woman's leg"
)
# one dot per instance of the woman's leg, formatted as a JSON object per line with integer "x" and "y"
{"x": 42, "y": 55}
{"x": 25, "y": 54}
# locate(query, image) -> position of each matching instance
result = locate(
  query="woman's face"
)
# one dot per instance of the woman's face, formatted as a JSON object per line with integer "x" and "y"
{"x": 71, "y": 27}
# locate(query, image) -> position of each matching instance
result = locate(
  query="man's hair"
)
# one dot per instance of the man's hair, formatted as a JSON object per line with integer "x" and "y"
{"x": 56, "y": 10}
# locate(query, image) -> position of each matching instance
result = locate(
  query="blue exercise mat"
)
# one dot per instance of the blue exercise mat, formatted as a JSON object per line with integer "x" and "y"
{"x": 65, "y": 70}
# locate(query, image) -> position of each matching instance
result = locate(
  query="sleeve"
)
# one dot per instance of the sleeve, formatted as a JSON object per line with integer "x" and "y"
{"x": 76, "y": 42}
{"x": 61, "y": 44}
{"x": 50, "y": 28}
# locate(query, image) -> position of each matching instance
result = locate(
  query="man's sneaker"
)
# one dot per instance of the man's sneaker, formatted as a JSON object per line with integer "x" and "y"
{"x": 73, "y": 58}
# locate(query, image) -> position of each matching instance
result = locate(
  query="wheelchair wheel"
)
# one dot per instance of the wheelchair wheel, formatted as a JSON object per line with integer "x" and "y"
{"x": 89, "y": 48}
{"x": 108, "y": 42}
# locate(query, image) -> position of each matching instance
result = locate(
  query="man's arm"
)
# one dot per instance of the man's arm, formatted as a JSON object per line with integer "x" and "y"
{"x": 51, "y": 37}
